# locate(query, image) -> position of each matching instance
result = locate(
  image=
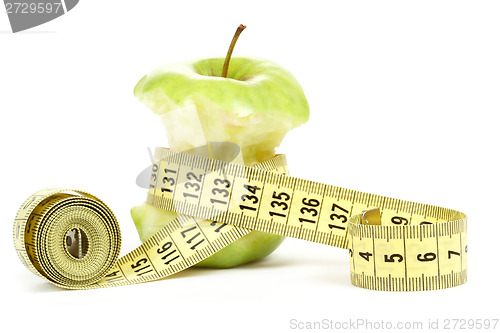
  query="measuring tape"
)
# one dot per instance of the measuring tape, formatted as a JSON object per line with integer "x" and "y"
{"x": 72, "y": 239}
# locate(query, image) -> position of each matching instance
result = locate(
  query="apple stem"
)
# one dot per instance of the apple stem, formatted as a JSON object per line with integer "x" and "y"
{"x": 231, "y": 47}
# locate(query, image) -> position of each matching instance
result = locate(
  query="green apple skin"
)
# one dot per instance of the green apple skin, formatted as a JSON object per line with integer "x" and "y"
{"x": 254, "y": 107}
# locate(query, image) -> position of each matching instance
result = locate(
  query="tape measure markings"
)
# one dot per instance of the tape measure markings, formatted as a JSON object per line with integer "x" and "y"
{"x": 315, "y": 197}
{"x": 423, "y": 248}
{"x": 189, "y": 228}
{"x": 146, "y": 251}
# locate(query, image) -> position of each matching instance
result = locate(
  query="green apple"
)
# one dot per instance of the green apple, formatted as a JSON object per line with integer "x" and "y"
{"x": 253, "y": 107}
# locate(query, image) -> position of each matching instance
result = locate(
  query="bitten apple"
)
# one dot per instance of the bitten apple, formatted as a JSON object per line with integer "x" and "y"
{"x": 254, "y": 107}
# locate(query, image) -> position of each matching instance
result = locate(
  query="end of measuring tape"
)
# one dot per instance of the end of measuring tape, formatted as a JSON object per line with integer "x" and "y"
{"x": 407, "y": 257}
{"x": 371, "y": 217}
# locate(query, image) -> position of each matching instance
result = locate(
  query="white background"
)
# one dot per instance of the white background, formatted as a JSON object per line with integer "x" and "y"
{"x": 404, "y": 99}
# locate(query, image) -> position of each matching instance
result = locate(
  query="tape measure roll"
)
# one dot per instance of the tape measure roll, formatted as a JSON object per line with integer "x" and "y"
{"x": 393, "y": 244}
{"x": 48, "y": 223}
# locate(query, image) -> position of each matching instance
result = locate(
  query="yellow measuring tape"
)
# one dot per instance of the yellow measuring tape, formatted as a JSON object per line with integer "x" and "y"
{"x": 72, "y": 238}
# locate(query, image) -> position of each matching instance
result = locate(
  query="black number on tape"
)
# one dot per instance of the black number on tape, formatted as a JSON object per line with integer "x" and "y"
{"x": 430, "y": 256}
{"x": 137, "y": 267}
{"x": 365, "y": 255}
{"x": 189, "y": 241}
{"x": 165, "y": 247}
{"x": 399, "y": 220}
{"x": 393, "y": 257}
{"x": 335, "y": 217}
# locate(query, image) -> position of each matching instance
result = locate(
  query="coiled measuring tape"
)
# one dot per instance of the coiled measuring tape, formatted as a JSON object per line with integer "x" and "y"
{"x": 72, "y": 238}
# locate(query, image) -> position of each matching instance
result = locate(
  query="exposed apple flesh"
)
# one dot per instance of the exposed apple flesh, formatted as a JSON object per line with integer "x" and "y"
{"x": 254, "y": 107}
